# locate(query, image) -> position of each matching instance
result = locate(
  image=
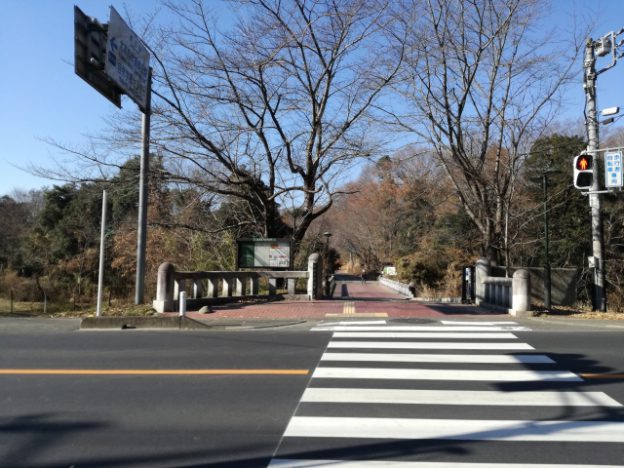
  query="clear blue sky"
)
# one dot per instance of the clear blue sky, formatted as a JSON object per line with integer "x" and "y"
{"x": 42, "y": 97}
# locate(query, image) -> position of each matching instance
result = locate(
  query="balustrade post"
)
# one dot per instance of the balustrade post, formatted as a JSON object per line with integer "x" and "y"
{"x": 482, "y": 271}
{"x": 292, "y": 282}
{"x": 227, "y": 287}
{"x": 212, "y": 288}
{"x": 241, "y": 287}
{"x": 521, "y": 290}
{"x": 198, "y": 288}
{"x": 164, "y": 288}
{"x": 254, "y": 285}
{"x": 272, "y": 286}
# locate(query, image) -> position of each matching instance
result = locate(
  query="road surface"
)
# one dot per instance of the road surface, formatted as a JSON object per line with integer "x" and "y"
{"x": 433, "y": 393}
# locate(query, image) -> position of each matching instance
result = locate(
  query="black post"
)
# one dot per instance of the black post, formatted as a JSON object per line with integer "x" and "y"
{"x": 547, "y": 285}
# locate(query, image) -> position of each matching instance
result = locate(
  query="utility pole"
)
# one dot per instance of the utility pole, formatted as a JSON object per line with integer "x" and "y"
{"x": 589, "y": 63}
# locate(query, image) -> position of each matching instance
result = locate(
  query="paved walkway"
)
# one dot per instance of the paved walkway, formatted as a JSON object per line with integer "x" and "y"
{"x": 352, "y": 299}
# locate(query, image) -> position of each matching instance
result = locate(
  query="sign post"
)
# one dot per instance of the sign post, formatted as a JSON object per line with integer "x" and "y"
{"x": 114, "y": 60}
{"x": 127, "y": 64}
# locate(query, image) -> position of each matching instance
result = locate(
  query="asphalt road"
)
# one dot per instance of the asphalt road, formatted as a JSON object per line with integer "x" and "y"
{"x": 149, "y": 420}
{"x": 183, "y": 417}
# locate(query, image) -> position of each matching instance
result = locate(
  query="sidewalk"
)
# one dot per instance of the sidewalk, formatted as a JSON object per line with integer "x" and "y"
{"x": 352, "y": 299}
{"x": 333, "y": 309}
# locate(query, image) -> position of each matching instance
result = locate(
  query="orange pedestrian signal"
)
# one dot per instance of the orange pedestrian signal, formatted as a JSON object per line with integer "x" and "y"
{"x": 583, "y": 171}
{"x": 583, "y": 163}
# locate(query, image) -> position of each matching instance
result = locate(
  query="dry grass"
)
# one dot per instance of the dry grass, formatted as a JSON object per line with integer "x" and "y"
{"x": 36, "y": 309}
{"x": 579, "y": 313}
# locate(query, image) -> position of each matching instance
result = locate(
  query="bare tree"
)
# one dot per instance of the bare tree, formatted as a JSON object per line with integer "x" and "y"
{"x": 481, "y": 86}
{"x": 274, "y": 109}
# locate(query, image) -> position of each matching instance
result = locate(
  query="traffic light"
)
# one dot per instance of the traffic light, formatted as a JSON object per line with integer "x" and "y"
{"x": 583, "y": 171}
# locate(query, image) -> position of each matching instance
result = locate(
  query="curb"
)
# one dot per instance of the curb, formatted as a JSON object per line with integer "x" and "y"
{"x": 179, "y": 323}
{"x": 126, "y": 323}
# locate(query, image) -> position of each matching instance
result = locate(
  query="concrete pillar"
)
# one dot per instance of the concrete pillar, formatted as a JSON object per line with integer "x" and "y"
{"x": 482, "y": 271}
{"x": 164, "y": 288}
{"x": 182, "y": 302}
{"x": 521, "y": 291}
{"x": 315, "y": 277}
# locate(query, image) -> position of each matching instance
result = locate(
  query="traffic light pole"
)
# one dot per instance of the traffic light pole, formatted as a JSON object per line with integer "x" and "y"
{"x": 599, "y": 297}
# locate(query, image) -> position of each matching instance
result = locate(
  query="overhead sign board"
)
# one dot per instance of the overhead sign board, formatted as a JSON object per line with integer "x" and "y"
{"x": 89, "y": 53}
{"x": 127, "y": 60}
{"x": 264, "y": 253}
{"x": 613, "y": 169}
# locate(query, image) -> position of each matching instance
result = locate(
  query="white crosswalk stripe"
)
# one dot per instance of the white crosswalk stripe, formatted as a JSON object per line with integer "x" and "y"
{"x": 440, "y": 358}
{"x": 443, "y": 374}
{"x": 457, "y": 397}
{"x": 397, "y": 334}
{"x": 445, "y": 345}
{"x": 300, "y": 463}
{"x": 456, "y": 429}
{"x": 358, "y": 381}
{"x": 422, "y": 328}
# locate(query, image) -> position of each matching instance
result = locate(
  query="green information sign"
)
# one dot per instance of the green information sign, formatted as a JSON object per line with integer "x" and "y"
{"x": 264, "y": 253}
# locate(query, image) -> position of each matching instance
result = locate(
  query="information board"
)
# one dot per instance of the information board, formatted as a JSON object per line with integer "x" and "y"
{"x": 127, "y": 60}
{"x": 264, "y": 253}
{"x": 613, "y": 169}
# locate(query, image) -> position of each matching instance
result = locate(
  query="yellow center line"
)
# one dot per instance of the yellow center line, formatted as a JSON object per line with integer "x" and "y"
{"x": 602, "y": 376}
{"x": 154, "y": 371}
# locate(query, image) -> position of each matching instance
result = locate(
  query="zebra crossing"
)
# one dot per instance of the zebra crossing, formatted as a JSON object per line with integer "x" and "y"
{"x": 454, "y": 394}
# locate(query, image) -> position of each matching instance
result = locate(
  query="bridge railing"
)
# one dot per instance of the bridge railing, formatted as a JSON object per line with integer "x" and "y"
{"x": 513, "y": 294}
{"x": 401, "y": 288}
{"x": 209, "y": 287}
{"x": 498, "y": 291}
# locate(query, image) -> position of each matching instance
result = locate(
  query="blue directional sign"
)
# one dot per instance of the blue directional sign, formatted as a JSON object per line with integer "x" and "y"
{"x": 127, "y": 60}
{"x": 613, "y": 169}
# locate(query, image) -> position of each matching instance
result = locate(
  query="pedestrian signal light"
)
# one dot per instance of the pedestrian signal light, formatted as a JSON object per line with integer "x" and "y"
{"x": 583, "y": 171}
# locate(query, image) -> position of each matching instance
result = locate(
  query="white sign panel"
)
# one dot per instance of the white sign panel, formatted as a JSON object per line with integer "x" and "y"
{"x": 279, "y": 255}
{"x": 613, "y": 169}
{"x": 272, "y": 254}
{"x": 389, "y": 271}
{"x": 127, "y": 60}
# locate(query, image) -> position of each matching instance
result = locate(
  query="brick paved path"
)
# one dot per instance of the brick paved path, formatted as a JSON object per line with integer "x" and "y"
{"x": 352, "y": 299}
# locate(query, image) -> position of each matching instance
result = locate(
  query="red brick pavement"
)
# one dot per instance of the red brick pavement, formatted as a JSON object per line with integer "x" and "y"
{"x": 366, "y": 300}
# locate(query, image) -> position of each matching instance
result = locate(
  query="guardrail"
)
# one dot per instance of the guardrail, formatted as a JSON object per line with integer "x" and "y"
{"x": 401, "y": 288}
{"x": 209, "y": 287}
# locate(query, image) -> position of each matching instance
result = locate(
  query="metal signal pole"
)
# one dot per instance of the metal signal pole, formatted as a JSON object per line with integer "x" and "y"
{"x": 143, "y": 192}
{"x": 599, "y": 297}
